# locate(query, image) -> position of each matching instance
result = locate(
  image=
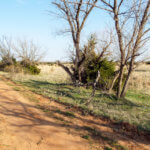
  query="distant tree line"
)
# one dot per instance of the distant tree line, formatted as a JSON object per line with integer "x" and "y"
{"x": 22, "y": 57}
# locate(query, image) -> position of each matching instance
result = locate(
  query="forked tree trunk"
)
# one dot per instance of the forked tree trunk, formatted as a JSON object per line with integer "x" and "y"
{"x": 120, "y": 78}
{"x": 131, "y": 43}
{"x": 124, "y": 89}
{"x": 145, "y": 18}
{"x": 75, "y": 13}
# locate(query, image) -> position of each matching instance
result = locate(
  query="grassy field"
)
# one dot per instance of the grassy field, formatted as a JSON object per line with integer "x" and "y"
{"x": 53, "y": 82}
{"x": 140, "y": 79}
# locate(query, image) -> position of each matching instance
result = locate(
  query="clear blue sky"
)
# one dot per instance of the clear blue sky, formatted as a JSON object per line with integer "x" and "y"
{"x": 30, "y": 19}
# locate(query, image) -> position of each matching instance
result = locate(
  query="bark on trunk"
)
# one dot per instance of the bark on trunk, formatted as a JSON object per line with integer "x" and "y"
{"x": 124, "y": 89}
{"x": 77, "y": 62}
{"x": 120, "y": 81}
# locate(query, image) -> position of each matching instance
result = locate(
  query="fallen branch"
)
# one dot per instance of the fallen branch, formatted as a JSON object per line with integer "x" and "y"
{"x": 94, "y": 89}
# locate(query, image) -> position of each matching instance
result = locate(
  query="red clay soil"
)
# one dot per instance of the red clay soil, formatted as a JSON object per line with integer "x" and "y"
{"x": 47, "y": 125}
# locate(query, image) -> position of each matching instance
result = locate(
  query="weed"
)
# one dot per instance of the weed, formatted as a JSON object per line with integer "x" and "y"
{"x": 117, "y": 146}
{"x": 69, "y": 114}
{"x": 46, "y": 110}
{"x": 95, "y": 133}
{"x": 16, "y": 88}
{"x": 107, "y": 148}
{"x": 65, "y": 113}
{"x": 85, "y": 137}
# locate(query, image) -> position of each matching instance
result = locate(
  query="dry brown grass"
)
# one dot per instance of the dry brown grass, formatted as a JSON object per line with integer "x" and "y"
{"x": 50, "y": 73}
{"x": 140, "y": 79}
{"x": 54, "y": 73}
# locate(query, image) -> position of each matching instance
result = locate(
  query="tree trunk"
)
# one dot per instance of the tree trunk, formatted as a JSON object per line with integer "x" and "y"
{"x": 124, "y": 89}
{"x": 137, "y": 43}
{"x": 77, "y": 61}
{"x": 67, "y": 71}
{"x": 113, "y": 82}
{"x": 120, "y": 81}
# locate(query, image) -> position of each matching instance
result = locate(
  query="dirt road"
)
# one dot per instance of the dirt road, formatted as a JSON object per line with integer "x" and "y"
{"x": 23, "y": 126}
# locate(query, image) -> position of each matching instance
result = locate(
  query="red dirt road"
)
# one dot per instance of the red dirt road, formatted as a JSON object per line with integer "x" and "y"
{"x": 23, "y": 127}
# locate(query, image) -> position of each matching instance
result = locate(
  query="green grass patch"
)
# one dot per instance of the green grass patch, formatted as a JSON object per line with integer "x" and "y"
{"x": 16, "y": 88}
{"x": 107, "y": 148}
{"x": 118, "y": 146}
{"x": 85, "y": 137}
{"x": 65, "y": 113}
{"x": 97, "y": 134}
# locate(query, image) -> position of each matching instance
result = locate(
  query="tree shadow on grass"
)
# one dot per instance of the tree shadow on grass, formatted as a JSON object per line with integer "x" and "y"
{"x": 58, "y": 89}
{"x": 120, "y": 102}
{"x": 67, "y": 91}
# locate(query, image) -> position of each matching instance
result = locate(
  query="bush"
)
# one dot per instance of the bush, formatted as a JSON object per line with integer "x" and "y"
{"x": 9, "y": 65}
{"x": 32, "y": 69}
{"x": 93, "y": 64}
{"x": 9, "y": 68}
{"x": 20, "y": 67}
{"x": 106, "y": 68}
{"x": 148, "y": 62}
{"x": 13, "y": 68}
{"x": 7, "y": 61}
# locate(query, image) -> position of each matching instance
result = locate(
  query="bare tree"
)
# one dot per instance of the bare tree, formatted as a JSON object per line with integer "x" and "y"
{"x": 75, "y": 13}
{"x": 6, "y": 52}
{"x": 131, "y": 20}
{"x": 28, "y": 52}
